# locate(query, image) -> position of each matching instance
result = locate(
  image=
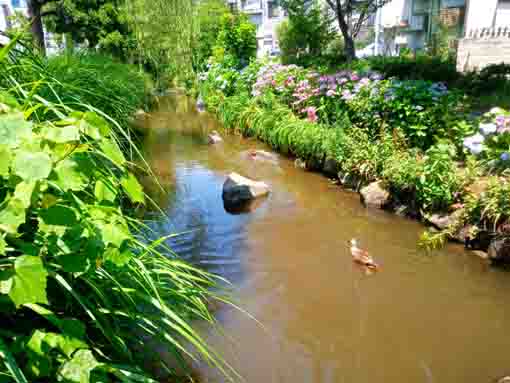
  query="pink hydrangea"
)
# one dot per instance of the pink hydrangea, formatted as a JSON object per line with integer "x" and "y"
{"x": 311, "y": 113}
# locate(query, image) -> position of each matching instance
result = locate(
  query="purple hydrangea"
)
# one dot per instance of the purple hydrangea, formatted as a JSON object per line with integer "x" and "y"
{"x": 505, "y": 156}
{"x": 487, "y": 129}
{"x": 311, "y": 113}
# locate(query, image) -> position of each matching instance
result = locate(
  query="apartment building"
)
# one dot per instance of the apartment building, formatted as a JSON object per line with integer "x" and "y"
{"x": 266, "y": 15}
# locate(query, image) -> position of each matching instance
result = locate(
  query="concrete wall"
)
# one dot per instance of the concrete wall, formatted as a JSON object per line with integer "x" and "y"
{"x": 477, "y": 53}
{"x": 480, "y": 14}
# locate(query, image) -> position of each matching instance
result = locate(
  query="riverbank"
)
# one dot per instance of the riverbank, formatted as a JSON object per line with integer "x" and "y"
{"x": 419, "y": 157}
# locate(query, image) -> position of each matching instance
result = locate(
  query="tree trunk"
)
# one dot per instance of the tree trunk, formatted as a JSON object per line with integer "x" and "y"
{"x": 34, "y": 13}
{"x": 349, "y": 49}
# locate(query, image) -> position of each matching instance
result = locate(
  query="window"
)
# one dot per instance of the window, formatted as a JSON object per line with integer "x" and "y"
{"x": 273, "y": 9}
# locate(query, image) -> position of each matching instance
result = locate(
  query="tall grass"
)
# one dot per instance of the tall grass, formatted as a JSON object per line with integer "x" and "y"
{"x": 82, "y": 288}
{"x": 83, "y": 78}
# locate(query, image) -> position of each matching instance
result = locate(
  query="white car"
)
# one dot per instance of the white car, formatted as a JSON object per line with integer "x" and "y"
{"x": 368, "y": 51}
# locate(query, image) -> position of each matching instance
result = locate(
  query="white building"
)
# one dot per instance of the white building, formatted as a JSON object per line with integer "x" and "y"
{"x": 266, "y": 15}
{"x": 487, "y": 35}
{"x": 411, "y": 23}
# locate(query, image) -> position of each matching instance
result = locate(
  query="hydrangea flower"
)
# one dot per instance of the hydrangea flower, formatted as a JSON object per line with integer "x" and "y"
{"x": 354, "y": 77}
{"x": 488, "y": 128}
{"x": 474, "y": 143}
{"x": 505, "y": 156}
{"x": 347, "y": 95}
{"x": 311, "y": 113}
{"x": 331, "y": 93}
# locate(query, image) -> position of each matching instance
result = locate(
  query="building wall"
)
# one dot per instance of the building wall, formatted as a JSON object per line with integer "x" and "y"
{"x": 480, "y": 14}
{"x": 477, "y": 53}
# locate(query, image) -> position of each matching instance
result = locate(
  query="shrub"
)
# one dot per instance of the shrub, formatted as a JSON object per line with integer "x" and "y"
{"x": 80, "y": 288}
{"x": 237, "y": 40}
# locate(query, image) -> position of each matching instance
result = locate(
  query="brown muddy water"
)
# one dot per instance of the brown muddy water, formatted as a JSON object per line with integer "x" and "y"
{"x": 425, "y": 317}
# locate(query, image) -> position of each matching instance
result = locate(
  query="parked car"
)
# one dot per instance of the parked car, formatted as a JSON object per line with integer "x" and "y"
{"x": 368, "y": 51}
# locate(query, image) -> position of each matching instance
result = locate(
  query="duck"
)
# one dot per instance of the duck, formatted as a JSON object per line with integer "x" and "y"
{"x": 361, "y": 256}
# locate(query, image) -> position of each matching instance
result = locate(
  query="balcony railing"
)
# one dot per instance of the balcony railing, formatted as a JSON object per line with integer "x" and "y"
{"x": 489, "y": 33}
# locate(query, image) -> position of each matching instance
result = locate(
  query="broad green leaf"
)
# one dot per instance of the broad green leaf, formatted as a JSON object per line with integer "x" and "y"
{"x": 9, "y": 100}
{"x": 105, "y": 191}
{"x": 68, "y": 175}
{"x": 32, "y": 166}
{"x": 29, "y": 281}
{"x": 112, "y": 151}
{"x": 74, "y": 262}
{"x": 116, "y": 257}
{"x": 3, "y": 245}
{"x": 13, "y": 129}
{"x": 78, "y": 369}
{"x": 114, "y": 233}
{"x": 58, "y": 215}
{"x": 12, "y": 215}
{"x": 24, "y": 192}
{"x": 61, "y": 134}
{"x": 5, "y": 160}
{"x": 96, "y": 121}
{"x": 133, "y": 188}
{"x": 39, "y": 362}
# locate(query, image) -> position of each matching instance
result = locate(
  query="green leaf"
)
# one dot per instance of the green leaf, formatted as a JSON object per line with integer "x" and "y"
{"x": 76, "y": 262}
{"x": 5, "y": 160}
{"x": 24, "y": 192}
{"x": 114, "y": 234}
{"x": 112, "y": 151}
{"x": 32, "y": 166}
{"x": 116, "y": 257}
{"x": 3, "y": 246}
{"x": 58, "y": 215}
{"x": 96, "y": 121}
{"x": 61, "y": 134}
{"x": 12, "y": 215}
{"x": 133, "y": 188}
{"x": 13, "y": 129}
{"x": 69, "y": 176}
{"x": 105, "y": 191}
{"x": 29, "y": 281}
{"x": 78, "y": 369}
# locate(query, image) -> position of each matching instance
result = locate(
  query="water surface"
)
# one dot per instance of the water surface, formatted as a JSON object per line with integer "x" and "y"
{"x": 438, "y": 317}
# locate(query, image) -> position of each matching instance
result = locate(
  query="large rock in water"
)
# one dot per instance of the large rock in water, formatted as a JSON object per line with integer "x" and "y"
{"x": 239, "y": 191}
{"x": 499, "y": 250}
{"x": 375, "y": 195}
{"x": 214, "y": 138}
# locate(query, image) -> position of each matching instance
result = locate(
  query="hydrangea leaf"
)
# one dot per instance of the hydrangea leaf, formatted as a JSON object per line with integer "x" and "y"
{"x": 133, "y": 188}
{"x": 24, "y": 192}
{"x": 104, "y": 191}
{"x": 5, "y": 160}
{"x": 58, "y": 215}
{"x": 117, "y": 257}
{"x": 32, "y": 166}
{"x": 112, "y": 151}
{"x": 74, "y": 262}
{"x": 114, "y": 233}
{"x": 12, "y": 215}
{"x": 29, "y": 281}
{"x": 61, "y": 134}
{"x": 3, "y": 246}
{"x": 13, "y": 129}
{"x": 78, "y": 369}
{"x": 69, "y": 176}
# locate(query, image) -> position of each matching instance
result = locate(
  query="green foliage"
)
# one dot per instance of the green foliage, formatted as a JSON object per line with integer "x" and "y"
{"x": 99, "y": 23}
{"x": 82, "y": 288}
{"x": 237, "y": 39}
{"x": 307, "y": 32}
{"x": 210, "y": 13}
{"x": 115, "y": 88}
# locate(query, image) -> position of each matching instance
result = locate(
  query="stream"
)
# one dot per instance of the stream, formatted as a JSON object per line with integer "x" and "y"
{"x": 425, "y": 317}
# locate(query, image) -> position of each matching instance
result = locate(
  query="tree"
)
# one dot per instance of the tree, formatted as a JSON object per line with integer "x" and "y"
{"x": 209, "y": 13}
{"x": 237, "y": 38}
{"x": 307, "y": 31}
{"x": 100, "y": 23}
{"x": 34, "y": 13}
{"x": 351, "y": 15}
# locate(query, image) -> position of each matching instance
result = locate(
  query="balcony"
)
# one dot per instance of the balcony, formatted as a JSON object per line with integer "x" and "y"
{"x": 415, "y": 23}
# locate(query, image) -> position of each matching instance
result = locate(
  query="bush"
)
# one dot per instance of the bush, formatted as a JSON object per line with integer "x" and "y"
{"x": 237, "y": 40}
